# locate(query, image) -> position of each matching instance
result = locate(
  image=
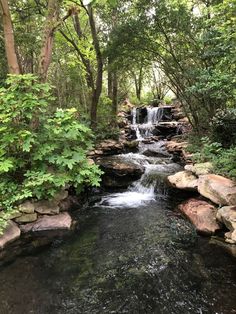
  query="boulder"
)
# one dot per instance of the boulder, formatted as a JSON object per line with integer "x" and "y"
{"x": 27, "y": 207}
{"x": 227, "y": 215}
{"x": 201, "y": 214}
{"x": 200, "y": 169}
{"x": 62, "y": 221}
{"x": 47, "y": 207}
{"x": 119, "y": 172}
{"x": 25, "y": 218}
{"x": 184, "y": 180}
{"x": 11, "y": 233}
{"x": 109, "y": 147}
{"x": 218, "y": 189}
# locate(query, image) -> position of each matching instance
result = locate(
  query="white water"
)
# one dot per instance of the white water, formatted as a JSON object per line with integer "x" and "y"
{"x": 150, "y": 186}
{"x": 154, "y": 116}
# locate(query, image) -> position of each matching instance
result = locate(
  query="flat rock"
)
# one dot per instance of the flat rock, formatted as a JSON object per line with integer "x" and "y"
{"x": 47, "y": 207}
{"x": 227, "y": 215}
{"x": 25, "y": 218}
{"x": 218, "y": 189}
{"x": 200, "y": 169}
{"x": 184, "y": 180}
{"x": 62, "y": 221}
{"x": 201, "y": 214}
{"x": 11, "y": 233}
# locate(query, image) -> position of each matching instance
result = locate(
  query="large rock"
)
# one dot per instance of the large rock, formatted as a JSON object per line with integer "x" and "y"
{"x": 11, "y": 233}
{"x": 47, "y": 207}
{"x": 119, "y": 172}
{"x": 227, "y": 215}
{"x": 184, "y": 180}
{"x": 27, "y": 207}
{"x": 201, "y": 214}
{"x": 200, "y": 169}
{"x": 62, "y": 221}
{"x": 218, "y": 189}
{"x": 107, "y": 147}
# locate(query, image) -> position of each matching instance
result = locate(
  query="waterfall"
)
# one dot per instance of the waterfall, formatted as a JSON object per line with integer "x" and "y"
{"x": 134, "y": 116}
{"x": 154, "y": 115}
{"x": 143, "y": 130}
{"x": 151, "y": 184}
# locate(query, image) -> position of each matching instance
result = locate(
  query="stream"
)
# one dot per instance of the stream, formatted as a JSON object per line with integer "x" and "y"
{"x": 132, "y": 252}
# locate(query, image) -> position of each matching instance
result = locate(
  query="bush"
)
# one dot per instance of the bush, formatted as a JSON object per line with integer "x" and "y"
{"x": 107, "y": 124}
{"x": 40, "y": 152}
{"x": 206, "y": 150}
{"x": 223, "y": 159}
{"x": 226, "y": 163}
{"x": 168, "y": 100}
{"x": 223, "y": 127}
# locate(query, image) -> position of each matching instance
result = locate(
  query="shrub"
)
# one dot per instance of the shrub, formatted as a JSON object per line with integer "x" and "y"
{"x": 206, "y": 151}
{"x": 168, "y": 100}
{"x": 41, "y": 152}
{"x": 226, "y": 163}
{"x": 223, "y": 159}
{"x": 223, "y": 127}
{"x": 106, "y": 128}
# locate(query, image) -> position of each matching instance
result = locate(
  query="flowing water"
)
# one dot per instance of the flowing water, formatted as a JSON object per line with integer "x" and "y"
{"x": 131, "y": 253}
{"x": 143, "y": 130}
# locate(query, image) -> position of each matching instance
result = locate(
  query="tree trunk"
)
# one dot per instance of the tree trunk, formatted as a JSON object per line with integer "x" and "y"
{"x": 138, "y": 80}
{"x": 114, "y": 95}
{"x": 12, "y": 61}
{"x": 48, "y": 38}
{"x": 109, "y": 83}
{"x": 98, "y": 86}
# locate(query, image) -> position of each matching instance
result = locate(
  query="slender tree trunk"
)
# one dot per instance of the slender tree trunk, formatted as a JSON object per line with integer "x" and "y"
{"x": 109, "y": 82}
{"x": 49, "y": 30}
{"x": 114, "y": 95}
{"x": 138, "y": 81}
{"x": 13, "y": 64}
{"x": 98, "y": 85}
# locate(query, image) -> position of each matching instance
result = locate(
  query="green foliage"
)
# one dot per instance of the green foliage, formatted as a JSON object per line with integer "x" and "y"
{"x": 206, "y": 151}
{"x": 168, "y": 100}
{"x": 223, "y": 160}
{"x": 40, "y": 152}
{"x": 107, "y": 128}
{"x": 223, "y": 127}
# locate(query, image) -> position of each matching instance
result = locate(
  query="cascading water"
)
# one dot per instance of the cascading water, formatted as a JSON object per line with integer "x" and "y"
{"x": 154, "y": 115}
{"x": 143, "y": 130}
{"x": 151, "y": 183}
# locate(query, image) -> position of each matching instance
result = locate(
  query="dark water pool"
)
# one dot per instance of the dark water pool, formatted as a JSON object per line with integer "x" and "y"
{"x": 123, "y": 260}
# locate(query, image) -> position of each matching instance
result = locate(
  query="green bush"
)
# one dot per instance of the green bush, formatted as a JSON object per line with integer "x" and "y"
{"x": 41, "y": 152}
{"x": 223, "y": 159}
{"x": 223, "y": 127}
{"x": 106, "y": 128}
{"x": 226, "y": 163}
{"x": 168, "y": 100}
{"x": 205, "y": 150}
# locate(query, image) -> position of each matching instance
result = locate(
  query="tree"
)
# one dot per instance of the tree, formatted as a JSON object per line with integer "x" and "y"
{"x": 94, "y": 80}
{"x": 13, "y": 64}
{"x": 48, "y": 37}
